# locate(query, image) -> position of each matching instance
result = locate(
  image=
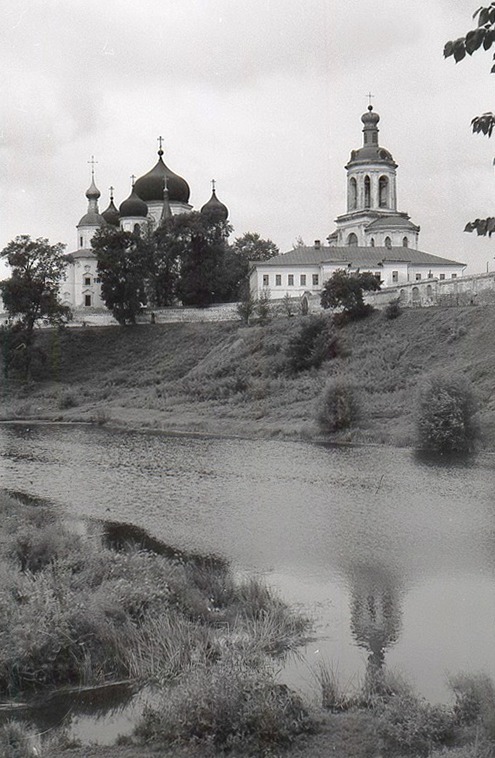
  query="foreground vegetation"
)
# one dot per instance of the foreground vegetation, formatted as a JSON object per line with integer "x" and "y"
{"x": 227, "y": 378}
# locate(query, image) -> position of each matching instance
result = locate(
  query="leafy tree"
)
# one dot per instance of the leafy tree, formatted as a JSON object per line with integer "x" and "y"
{"x": 122, "y": 267}
{"x": 263, "y": 308}
{"x": 162, "y": 266}
{"x": 199, "y": 245}
{"x": 31, "y": 295}
{"x": 345, "y": 291}
{"x": 482, "y": 36}
{"x": 315, "y": 341}
{"x": 252, "y": 247}
{"x": 246, "y": 308}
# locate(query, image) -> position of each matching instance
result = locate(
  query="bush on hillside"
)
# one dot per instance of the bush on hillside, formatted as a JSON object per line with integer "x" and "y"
{"x": 446, "y": 415}
{"x": 393, "y": 309}
{"x": 315, "y": 342}
{"x": 338, "y": 407}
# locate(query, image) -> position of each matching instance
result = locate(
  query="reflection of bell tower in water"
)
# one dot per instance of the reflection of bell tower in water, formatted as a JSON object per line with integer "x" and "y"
{"x": 375, "y": 615}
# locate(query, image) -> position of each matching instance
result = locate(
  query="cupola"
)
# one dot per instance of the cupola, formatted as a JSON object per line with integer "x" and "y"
{"x": 111, "y": 214}
{"x": 150, "y": 186}
{"x": 215, "y": 209}
{"x": 133, "y": 206}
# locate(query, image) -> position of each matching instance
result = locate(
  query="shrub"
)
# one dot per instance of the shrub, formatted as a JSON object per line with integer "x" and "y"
{"x": 474, "y": 700}
{"x": 338, "y": 406}
{"x": 393, "y": 309}
{"x": 263, "y": 308}
{"x": 68, "y": 400}
{"x": 18, "y": 740}
{"x": 446, "y": 416}
{"x": 246, "y": 308}
{"x": 229, "y": 706}
{"x": 315, "y": 342}
{"x": 408, "y": 725}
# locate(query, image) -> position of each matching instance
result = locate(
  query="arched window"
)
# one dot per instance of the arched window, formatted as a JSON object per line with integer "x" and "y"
{"x": 372, "y": 242}
{"x": 352, "y": 240}
{"x": 352, "y": 194}
{"x": 388, "y": 242}
{"x": 367, "y": 192}
{"x": 429, "y": 292}
{"x": 383, "y": 191}
{"x": 416, "y": 297}
{"x": 405, "y": 242}
{"x": 137, "y": 229}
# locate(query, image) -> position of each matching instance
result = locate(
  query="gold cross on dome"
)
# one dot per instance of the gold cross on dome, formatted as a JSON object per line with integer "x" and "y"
{"x": 133, "y": 179}
{"x": 160, "y": 142}
{"x": 213, "y": 183}
{"x": 369, "y": 96}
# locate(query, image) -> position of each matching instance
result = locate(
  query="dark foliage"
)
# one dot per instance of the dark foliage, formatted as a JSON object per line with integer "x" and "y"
{"x": 122, "y": 267}
{"x": 338, "y": 407}
{"x": 446, "y": 418}
{"x": 315, "y": 342}
{"x": 393, "y": 309}
{"x": 345, "y": 291}
{"x": 482, "y": 36}
{"x": 31, "y": 296}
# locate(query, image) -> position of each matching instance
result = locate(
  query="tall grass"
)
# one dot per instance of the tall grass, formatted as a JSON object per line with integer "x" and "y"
{"x": 446, "y": 415}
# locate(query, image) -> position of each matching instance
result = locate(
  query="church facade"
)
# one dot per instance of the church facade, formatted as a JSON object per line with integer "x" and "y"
{"x": 155, "y": 196}
{"x": 372, "y": 235}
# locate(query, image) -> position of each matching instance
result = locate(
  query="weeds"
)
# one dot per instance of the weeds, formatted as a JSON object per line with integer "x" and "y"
{"x": 18, "y": 740}
{"x": 228, "y": 706}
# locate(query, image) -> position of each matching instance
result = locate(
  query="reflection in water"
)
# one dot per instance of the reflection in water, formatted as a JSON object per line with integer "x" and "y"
{"x": 341, "y": 532}
{"x": 375, "y": 617}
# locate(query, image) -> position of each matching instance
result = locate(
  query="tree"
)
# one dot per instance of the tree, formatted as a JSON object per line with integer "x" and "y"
{"x": 345, "y": 291}
{"x": 199, "y": 245}
{"x": 163, "y": 266}
{"x": 122, "y": 266}
{"x": 483, "y": 35}
{"x": 31, "y": 295}
{"x": 252, "y": 247}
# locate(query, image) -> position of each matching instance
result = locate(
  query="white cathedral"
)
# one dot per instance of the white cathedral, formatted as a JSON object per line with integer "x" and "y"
{"x": 372, "y": 236}
{"x": 155, "y": 196}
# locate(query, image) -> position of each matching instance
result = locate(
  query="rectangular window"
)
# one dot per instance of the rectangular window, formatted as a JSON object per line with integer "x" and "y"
{"x": 442, "y": 276}
{"x": 290, "y": 280}
{"x": 454, "y": 276}
{"x": 81, "y": 241}
{"x": 395, "y": 276}
{"x": 418, "y": 277}
{"x": 266, "y": 280}
{"x": 315, "y": 280}
{"x": 87, "y": 300}
{"x": 278, "y": 280}
{"x": 87, "y": 280}
{"x": 302, "y": 280}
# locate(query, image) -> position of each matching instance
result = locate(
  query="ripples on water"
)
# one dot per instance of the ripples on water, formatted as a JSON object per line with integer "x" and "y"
{"x": 393, "y": 555}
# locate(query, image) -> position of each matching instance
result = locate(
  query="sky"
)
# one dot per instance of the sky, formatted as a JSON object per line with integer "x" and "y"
{"x": 263, "y": 96}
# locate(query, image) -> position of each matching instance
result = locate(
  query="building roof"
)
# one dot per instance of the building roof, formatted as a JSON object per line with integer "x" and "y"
{"x": 356, "y": 256}
{"x": 392, "y": 221}
{"x": 85, "y": 252}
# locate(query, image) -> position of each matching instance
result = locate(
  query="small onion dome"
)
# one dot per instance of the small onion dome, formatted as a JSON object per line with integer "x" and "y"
{"x": 133, "y": 206}
{"x": 111, "y": 214}
{"x": 215, "y": 209}
{"x": 150, "y": 186}
{"x": 93, "y": 193}
{"x": 370, "y": 118}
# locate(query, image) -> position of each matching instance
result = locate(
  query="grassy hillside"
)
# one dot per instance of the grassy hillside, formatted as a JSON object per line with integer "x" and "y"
{"x": 230, "y": 379}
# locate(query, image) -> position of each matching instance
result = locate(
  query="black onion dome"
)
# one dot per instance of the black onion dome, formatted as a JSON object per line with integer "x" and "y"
{"x": 111, "y": 214}
{"x": 150, "y": 186}
{"x": 93, "y": 193}
{"x": 215, "y": 209}
{"x": 133, "y": 206}
{"x": 371, "y": 152}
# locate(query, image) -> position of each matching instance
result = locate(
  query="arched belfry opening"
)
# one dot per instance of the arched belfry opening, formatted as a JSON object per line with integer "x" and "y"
{"x": 352, "y": 194}
{"x": 352, "y": 240}
{"x": 383, "y": 192}
{"x": 367, "y": 192}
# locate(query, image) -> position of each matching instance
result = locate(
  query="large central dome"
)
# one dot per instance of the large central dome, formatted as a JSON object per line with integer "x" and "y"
{"x": 150, "y": 186}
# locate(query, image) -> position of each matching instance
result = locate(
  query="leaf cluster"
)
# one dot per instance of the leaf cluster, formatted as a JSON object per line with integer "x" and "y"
{"x": 345, "y": 291}
{"x": 482, "y": 36}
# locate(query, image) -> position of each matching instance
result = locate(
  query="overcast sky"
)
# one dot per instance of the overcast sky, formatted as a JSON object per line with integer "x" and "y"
{"x": 264, "y": 96}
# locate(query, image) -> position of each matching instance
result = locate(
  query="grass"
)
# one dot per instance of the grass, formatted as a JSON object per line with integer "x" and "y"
{"x": 74, "y": 611}
{"x": 232, "y": 379}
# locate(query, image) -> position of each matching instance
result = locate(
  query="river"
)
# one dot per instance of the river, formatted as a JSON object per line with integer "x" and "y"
{"x": 394, "y": 557}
